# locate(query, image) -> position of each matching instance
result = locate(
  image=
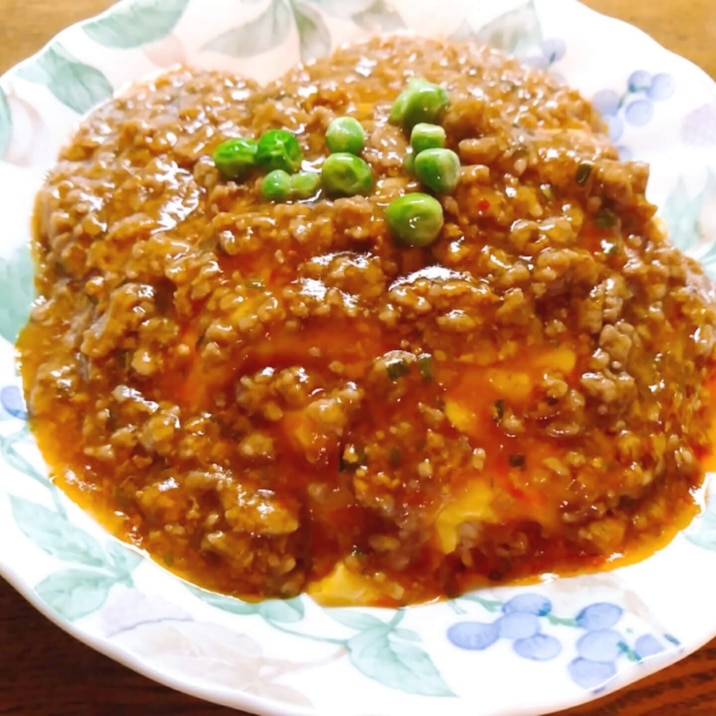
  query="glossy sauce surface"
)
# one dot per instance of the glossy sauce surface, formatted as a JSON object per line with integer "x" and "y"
{"x": 278, "y": 398}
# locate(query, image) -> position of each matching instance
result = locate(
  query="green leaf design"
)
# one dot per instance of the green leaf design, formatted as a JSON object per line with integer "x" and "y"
{"x": 344, "y": 8}
{"x": 227, "y": 604}
{"x": 396, "y": 664}
{"x": 353, "y": 619}
{"x": 264, "y": 33}
{"x": 379, "y": 16}
{"x": 17, "y": 460}
{"x": 16, "y": 292}
{"x": 708, "y": 260}
{"x": 314, "y": 36}
{"x": 123, "y": 559}
{"x": 75, "y": 84}
{"x": 75, "y": 593}
{"x": 406, "y": 634}
{"x": 702, "y": 531}
{"x": 517, "y": 31}
{"x": 136, "y": 24}
{"x": 272, "y": 610}
{"x": 277, "y": 610}
{"x": 5, "y": 123}
{"x": 53, "y": 534}
{"x": 681, "y": 213}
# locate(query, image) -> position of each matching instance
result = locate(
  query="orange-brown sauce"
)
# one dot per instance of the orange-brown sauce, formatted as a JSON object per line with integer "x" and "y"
{"x": 278, "y": 398}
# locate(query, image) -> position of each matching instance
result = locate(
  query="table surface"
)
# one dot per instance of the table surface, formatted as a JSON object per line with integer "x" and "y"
{"x": 44, "y": 672}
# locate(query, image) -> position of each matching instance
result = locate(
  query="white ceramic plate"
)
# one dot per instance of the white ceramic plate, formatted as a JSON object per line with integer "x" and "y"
{"x": 562, "y": 641}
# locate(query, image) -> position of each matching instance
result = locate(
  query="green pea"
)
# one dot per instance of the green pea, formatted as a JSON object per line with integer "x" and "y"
{"x": 409, "y": 163}
{"x": 415, "y": 219}
{"x": 345, "y": 174}
{"x": 345, "y": 134}
{"x": 279, "y": 149}
{"x": 397, "y": 111}
{"x": 438, "y": 169}
{"x": 235, "y": 158}
{"x": 425, "y": 105}
{"x": 420, "y": 101}
{"x": 276, "y": 185}
{"x": 304, "y": 185}
{"x": 427, "y": 136}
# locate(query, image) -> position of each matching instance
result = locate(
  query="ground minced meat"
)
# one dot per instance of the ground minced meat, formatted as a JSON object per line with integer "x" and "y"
{"x": 276, "y": 397}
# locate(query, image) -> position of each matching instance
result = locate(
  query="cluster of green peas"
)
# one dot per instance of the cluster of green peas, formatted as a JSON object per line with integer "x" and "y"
{"x": 278, "y": 153}
{"x": 415, "y": 219}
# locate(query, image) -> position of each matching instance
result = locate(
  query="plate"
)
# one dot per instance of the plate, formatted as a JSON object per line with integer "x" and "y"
{"x": 564, "y": 641}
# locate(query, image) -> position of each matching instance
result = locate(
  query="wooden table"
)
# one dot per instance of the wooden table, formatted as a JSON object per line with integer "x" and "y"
{"x": 44, "y": 672}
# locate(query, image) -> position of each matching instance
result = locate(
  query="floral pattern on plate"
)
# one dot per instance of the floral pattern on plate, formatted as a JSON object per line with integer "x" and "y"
{"x": 525, "y": 618}
{"x": 635, "y": 105}
{"x": 562, "y": 640}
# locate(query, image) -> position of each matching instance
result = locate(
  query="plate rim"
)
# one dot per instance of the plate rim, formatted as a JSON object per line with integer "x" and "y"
{"x": 262, "y": 705}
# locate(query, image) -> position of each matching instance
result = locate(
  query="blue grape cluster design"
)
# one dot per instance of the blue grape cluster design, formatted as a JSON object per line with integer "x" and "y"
{"x": 599, "y": 648}
{"x": 519, "y": 622}
{"x": 12, "y": 403}
{"x": 635, "y": 106}
{"x": 522, "y": 619}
